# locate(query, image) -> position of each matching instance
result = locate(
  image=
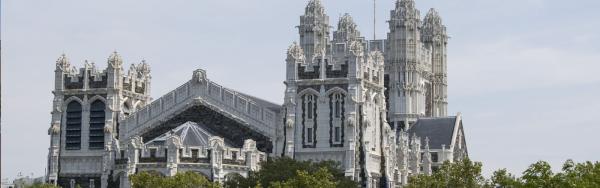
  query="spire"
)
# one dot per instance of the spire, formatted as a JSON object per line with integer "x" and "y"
{"x": 314, "y": 8}
{"x": 144, "y": 68}
{"x": 314, "y": 29}
{"x": 347, "y": 29}
{"x": 432, "y": 24}
{"x": 405, "y": 10}
{"x": 115, "y": 60}
{"x": 63, "y": 62}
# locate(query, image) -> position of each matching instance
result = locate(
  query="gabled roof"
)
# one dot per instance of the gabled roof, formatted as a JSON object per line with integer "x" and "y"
{"x": 190, "y": 133}
{"x": 261, "y": 102}
{"x": 440, "y": 131}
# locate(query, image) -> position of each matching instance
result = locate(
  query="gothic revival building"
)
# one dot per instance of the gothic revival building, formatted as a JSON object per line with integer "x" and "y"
{"x": 378, "y": 107}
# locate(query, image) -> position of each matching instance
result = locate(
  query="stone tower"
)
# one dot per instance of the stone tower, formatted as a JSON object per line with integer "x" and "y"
{"x": 88, "y": 104}
{"x": 334, "y": 99}
{"x": 435, "y": 39}
{"x": 412, "y": 91}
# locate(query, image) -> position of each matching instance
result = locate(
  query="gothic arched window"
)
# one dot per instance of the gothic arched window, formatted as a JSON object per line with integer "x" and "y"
{"x": 97, "y": 118}
{"x": 309, "y": 122}
{"x": 337, "y": 116}
{"x": 73, "y": 126}
{"x": 337, "y": 102}
{"x": 310, "y": 105}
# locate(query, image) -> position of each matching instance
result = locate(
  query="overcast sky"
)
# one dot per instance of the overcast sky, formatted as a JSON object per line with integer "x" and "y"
{"x": 524, "y": 73}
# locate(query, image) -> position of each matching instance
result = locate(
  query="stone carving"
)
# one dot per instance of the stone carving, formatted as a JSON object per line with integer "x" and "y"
{"x": 200, "y": 76}
{"x": 63, "y": 63}
{"x": 289, "y": 123}
{"x": 108, "y": 127}
{"x": 356, "y": 48}
{"x": 351, "y": 121}
{"x": 296, "y": 53}
{"x": 115, "y": 60}
{"x": 54, "y": 129}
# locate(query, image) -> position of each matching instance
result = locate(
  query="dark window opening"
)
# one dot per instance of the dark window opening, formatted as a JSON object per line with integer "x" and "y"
{"x": 73, "y": 126}
{"x": 309, "y": 135}
{"x": 153, "y": 153}
{"x": 337, "y": 134}
{"x": 194, "y": 153}
{"x": 97, "y": 122}
{"x": 434, "y": 157}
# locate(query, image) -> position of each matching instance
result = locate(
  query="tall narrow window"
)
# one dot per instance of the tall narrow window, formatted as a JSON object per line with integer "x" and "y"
{"x": 337, "y": 134}
{"x": 309, "y": 120}
{"x": 310, "y": 102}
{"x": 97, "y": 118}
{"x": 338, "y": 105}
{"x": 73, "y": 126}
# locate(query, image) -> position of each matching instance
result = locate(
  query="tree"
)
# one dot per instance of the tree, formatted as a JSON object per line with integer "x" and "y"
{"x": 539, "y": 174}
{"x": 464, "y": 173}
{"x": 42, "y": 185}
{"x": 285, "y": 169}
{"x": 502, "y": 178}
{"x": 180, "y": 180}
{"x": 321, "y": 179}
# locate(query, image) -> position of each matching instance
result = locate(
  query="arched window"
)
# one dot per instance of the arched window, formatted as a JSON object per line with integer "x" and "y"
{"x": 73, "y": 126}
{"x": 337, "y": 116}
{"x": 309, "y": 119}
{"x": 337, "y": 101}
{"x": 97, "y": 118}
{"x": 310, "y": 104}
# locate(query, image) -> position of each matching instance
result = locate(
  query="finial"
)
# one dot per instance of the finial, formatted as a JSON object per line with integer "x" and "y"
{"x": 295, "y": 51}
{"x": 115, "y": 60}
{"x": 62, "y": 62}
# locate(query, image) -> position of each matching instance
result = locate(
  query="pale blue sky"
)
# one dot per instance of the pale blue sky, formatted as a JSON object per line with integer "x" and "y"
{"x": 524, "y": 73}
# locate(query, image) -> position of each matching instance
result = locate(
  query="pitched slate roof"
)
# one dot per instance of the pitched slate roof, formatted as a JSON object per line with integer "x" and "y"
{"x": 191, "y": 134}
{"x": 438, "y": 130}
{"x": 264, "y": 103}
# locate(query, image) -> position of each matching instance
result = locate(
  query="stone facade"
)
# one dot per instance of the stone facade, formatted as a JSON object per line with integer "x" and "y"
{"x": 361, "y": 102}
{"x": 378, "y": 107}
{"x": 88, "y": 104}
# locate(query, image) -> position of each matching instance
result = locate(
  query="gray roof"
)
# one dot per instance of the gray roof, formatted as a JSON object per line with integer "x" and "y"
{"x": 191, "y": 134}
{"x": 438, "y": 130}
{"x": 264, "y": 103}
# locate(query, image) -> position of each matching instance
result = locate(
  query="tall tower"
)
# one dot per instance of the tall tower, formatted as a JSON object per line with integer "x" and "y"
{"x": 404, "y": 71}
{"x": 334, "y": 101}
{"x": 435, "y": 39}
{"x": 88, "y": 104}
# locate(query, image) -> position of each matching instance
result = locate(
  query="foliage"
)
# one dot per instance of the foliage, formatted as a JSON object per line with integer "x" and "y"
{"x": 503, "y": 178}
{"x": 180, "y": 180}
{"x": 321, "y": 179}
{"x": 42, "y": 185}
{"x": 464, "y": 173}
{"x": 467, "y": 174}
{"x": 287, "y": 171}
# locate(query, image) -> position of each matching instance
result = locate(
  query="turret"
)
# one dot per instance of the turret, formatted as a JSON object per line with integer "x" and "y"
{"x": 314, "y": 30}
{"x": 346, "y": 30}
{"x": 435, "y": 39}
{"x": 404, "y": 31}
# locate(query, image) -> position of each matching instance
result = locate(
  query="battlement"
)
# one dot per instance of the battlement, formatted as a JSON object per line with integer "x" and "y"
{"x": 135, "y": 80}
